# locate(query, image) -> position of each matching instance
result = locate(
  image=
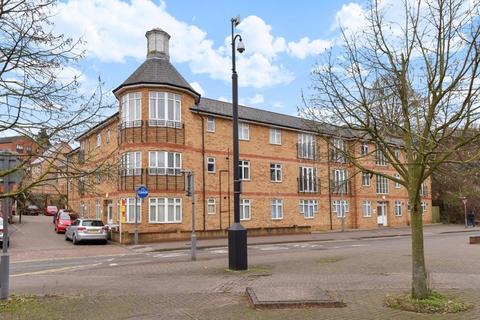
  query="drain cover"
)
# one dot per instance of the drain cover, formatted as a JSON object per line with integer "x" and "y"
{"x": 288, "y": 297}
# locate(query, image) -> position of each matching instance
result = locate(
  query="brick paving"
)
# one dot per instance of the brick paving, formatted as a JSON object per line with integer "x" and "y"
{"x": 359, "y": 276}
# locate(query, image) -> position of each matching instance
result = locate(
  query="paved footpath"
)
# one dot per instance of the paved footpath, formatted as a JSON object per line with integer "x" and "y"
{"x": 358, "y": 272}
{"x": 354, "y": 234}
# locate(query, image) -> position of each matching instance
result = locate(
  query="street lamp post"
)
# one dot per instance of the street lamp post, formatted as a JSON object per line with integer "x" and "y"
{"x": 464, "y": 200}
{"x": 237, "y": 234}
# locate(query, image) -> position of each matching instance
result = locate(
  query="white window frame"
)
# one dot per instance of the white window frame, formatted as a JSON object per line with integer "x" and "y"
{"x": 380, "y": 159}
{"x": 306, "y": 146}
{"x": 164, "y": 109}
{"x": 277, "y": 209}
{"x": 211, "y": 161}
{"x": 164, "y": 163}
{"x": 396, "y": 184}
{"x": 338, "y": 150}
{"x": 245, "y": 204}
{"x": 19, "y": 148}
{"x": 131, "y": 114}
{"x": 308, "y": 208}
{"x": 424, "y": 207}
{"x": 366, "y": 179}
{"x": 129, "y": 167}
{"x": 244, "y": 166}
{"x": 129, "y": 206}
{"x": 339, "y": 206}
{"x": 364, "y": 149}
{"x": 308, "y": 179}
{"x": 276, "y": 172}
{"x": 367, "y": 208}
{"x": 243, "y": 131}
{"x": 210, "y": 124}
{"x": 340, "y": 180}
{"x": 211, "y": 206}
{"x": 275, "y": 136}
{"x": 398, "y": 208}
{"x": 381, "y": 184}
{"x": 99, "y": 139}
{"x": 98, "y": 211}
{"x": 154, "y": 205}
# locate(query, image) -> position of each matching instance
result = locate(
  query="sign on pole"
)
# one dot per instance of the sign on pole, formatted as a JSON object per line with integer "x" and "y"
{"x": 142, "y": 192}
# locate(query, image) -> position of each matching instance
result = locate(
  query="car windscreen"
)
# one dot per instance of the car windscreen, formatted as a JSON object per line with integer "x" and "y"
{"x": 67, "y": 216}
{"x": 32, "y": 207}
{"x": 92, "y": 223}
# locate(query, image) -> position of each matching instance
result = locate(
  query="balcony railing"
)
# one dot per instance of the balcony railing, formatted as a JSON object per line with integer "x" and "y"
{"x": 151, "y": 131}
{"x": 341, "y": 187}
{"x": 308, "y": 185}
{"x": 307, "y": 151}
{"x": 130, "y": 179}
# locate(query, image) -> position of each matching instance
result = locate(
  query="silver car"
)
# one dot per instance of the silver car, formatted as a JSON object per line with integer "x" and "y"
{"x": 1, "y": 234}
{"x": 87, "y": 230}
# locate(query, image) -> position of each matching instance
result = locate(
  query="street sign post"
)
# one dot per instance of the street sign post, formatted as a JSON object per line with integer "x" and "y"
{"x": 142, "y": 192}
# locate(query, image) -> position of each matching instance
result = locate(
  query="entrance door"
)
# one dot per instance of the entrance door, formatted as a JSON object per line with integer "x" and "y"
{"x": 381, "y": 213}
{"x": 110, "y": 212}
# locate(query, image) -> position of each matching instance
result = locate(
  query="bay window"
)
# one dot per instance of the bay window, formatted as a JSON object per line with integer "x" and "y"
{"x": 131, "y": 110}
{"x": 164, "y": 109}
{"x": 164, "y": 163}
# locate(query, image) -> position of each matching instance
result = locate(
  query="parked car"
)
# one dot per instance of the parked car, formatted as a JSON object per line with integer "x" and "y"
{"x": 55, "y": 216}
{"x": 51, "y": 210}
{"x": 1, "y": 234}
{"x": 31, "y": 210}
{"x": 87, "y": 230}
{"x": 63, "y": 220}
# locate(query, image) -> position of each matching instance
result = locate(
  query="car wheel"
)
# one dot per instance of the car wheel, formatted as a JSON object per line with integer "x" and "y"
{"x": 66, "y": 237}
{"x": 105, "y": 242}
{"x": 74, "y": 240}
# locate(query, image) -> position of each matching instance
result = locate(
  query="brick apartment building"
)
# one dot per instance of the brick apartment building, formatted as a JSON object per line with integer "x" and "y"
{"x": 293, "y": 180}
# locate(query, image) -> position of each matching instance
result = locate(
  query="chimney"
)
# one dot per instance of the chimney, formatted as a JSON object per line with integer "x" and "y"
{"x": 157, "y": 44}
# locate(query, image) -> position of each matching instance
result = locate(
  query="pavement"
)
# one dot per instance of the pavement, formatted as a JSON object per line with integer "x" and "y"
{"x": 358, "y": 268}
{"x": 349, "y": 234}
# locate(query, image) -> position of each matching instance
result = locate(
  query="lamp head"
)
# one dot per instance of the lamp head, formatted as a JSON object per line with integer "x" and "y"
{"x": 240, "y": 46}
{"x": 236, "y": 20}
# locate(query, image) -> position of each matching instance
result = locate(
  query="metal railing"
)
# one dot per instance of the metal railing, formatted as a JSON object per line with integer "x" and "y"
{"x": 341, "y": 187}
{"x": 151, "y": 131}
{"x": 308, "y": 185}
{"x": 130, "y": 179}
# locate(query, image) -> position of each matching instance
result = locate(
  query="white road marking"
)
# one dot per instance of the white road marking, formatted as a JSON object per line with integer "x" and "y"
{"x": 358, "y": 245}
{"x": 113, "y": 264}
{"x": 170, "y": 255}
{"x": 218, "y": 251}
{"x": 55, "y": 270}
{"x": 273, "y": 248}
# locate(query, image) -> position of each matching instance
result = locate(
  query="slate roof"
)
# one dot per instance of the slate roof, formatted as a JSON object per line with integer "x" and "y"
{"x": 158, "y": 71}
{"x": 221, "y": 108}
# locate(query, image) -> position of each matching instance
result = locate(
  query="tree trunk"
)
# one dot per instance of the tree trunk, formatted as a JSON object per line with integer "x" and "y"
{"x": 420, "y": 289}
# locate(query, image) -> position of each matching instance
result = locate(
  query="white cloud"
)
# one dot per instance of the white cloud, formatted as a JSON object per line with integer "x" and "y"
{"x": 278, "y": 105}
{"x": 306, "y": 47}
{"x": 197, "y": 87}
{"x": 256, "y": 99}
{"x": 351, "y": 17}
{"x": 224, "y": 99}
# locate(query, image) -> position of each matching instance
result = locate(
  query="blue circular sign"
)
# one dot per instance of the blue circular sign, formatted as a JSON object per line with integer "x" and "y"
{"x": 142, "y": 192}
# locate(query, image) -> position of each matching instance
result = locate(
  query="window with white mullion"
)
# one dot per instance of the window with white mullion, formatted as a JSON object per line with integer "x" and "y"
{"x": 275, "y": 172}
{"x": 382, "y": 185}
{"x": 308, "y": 208}
{"x": 131, "y": 109}
{"x": 398, "y": 208}
{"x": 340, "y": 208}
{"x": 244, "y": 169}
{"x": 277, "y": 209}
{"x": 165, "y": 210}
{"x": 275, "y": 136}
{"x": 243, "y": 131}
{"x": 245, "y": 209}
{"x": 164, "y": 163}
{"x": 367, "y": 208}
{"x": 131, "y": 163}
{"x": 306, "y": 146}
{"x": 131, "y": 211}
{"x": 308, "y": 179}
{"x": 164, "y": 109}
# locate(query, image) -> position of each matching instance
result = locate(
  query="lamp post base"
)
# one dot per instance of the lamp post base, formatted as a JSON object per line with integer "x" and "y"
{"x": 237, "y": 247}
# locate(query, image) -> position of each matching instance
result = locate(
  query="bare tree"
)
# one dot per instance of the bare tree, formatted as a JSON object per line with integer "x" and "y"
{"x": 40, "y": 92}
{"x": 408, "y": 79}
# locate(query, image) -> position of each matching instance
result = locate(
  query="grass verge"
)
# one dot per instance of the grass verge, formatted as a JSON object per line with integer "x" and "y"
{"x": 435, "y": 303}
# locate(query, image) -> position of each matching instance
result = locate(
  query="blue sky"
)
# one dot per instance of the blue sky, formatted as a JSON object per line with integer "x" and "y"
{"x": 283, "y": 41}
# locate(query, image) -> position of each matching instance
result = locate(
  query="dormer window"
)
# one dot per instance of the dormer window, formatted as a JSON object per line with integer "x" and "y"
{"x": 165, "y": 110}
{"x": 132, "y": 110}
